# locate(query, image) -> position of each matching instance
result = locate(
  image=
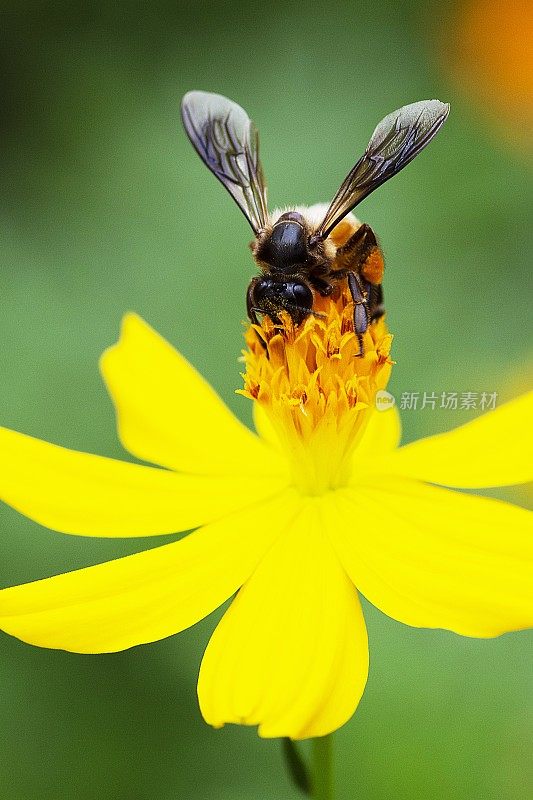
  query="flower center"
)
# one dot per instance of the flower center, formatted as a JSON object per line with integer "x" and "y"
{"x": 315, "y": 388}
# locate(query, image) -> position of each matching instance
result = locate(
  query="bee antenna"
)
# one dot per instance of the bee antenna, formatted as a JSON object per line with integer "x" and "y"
{"x": 306, "y": 311}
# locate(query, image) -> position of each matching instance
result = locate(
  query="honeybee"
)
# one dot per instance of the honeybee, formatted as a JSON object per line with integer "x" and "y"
{"x": 307, "y": 251}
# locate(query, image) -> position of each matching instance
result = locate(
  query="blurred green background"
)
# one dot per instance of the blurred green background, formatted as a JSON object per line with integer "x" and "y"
{"x": 104, "y": 208}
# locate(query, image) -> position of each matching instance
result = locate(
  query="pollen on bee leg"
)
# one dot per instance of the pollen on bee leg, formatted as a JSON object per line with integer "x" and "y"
{"x": 374, "y": 267}
{"x": 315, "y": 390}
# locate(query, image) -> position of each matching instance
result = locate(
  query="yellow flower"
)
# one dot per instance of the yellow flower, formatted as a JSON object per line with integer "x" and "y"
{"x": 320, "y": 502}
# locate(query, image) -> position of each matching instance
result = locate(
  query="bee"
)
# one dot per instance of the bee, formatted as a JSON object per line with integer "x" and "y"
{"x": 306, "y": 252}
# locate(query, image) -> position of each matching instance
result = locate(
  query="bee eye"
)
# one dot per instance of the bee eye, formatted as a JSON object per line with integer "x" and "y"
{"x": 262, "y": 289}
{"x": 302, "y": 295}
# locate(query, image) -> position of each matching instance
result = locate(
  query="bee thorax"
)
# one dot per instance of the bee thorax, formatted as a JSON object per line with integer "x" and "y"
{"x": 285, "y": 248}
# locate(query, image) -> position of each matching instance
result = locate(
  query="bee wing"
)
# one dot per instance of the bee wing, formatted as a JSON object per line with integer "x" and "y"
{"x": 398, "y": 138}
{"x": 228, "y": 143}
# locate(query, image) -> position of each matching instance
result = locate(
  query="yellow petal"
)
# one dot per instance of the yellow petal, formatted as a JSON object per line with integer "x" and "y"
{"x": 290, "y": 654}
{"x": 380, "y": 436}
{"x": 435, "y": 558}
{"x": 169, "y": 415}
{"x": 264, "y": 427}
{"x": 89, "y": 495}
{"x": 146, "y": 596}
{"x": 496, "y": 449}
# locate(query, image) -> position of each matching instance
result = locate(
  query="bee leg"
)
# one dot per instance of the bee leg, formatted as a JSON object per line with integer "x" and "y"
{"x": 361, "y": 254}
{"x": 322, "y": 287}
{"x": 250, "y": 305}
{"x": 361, "y": 315}
{"x": 356, "y": 250}
{"x": 375, "y": 304}
{"x": 252, "y": 311}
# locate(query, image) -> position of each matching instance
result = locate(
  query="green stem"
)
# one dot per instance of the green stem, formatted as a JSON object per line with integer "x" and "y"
{"x": 322, "y": 768}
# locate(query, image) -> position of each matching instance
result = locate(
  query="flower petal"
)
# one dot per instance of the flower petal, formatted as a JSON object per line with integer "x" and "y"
{"x": 89, "y": 495}
{"x": 264, "y": 427}
{"x": 146, "y": 596}
{"x": 380, "y": 436}
{"x": 290, "y": 654}
{"x": 493, "y": 450}
{"x": 169, "y": 415}
{"x": 435, "y": 558}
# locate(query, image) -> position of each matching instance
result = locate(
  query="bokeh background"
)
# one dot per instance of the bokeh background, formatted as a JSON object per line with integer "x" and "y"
{"x": 104, "y": 207}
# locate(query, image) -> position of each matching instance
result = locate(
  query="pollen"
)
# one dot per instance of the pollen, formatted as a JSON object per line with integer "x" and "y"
{"x": 315, "y": 389}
